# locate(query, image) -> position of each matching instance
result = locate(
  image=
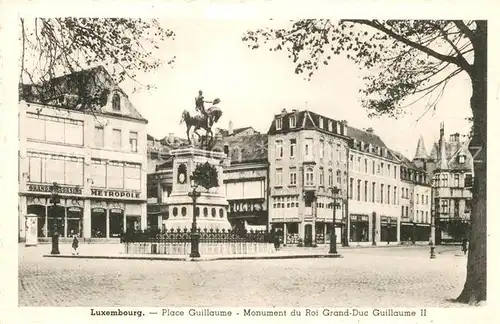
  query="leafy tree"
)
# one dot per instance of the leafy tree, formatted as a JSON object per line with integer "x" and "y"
{"x": 55, "y": 46}
{"x": 206, "y": 175}
{"x": 406, "y": 60}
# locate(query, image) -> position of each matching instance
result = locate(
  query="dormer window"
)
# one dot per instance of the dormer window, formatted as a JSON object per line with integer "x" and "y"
{"x": 330, "y": 126}
{"x": 461, "y": 158}
{"x": 116, "y": 102}
{"x": 321, "y": 122}
{"x": 279, "y": 123}
{"x": 292, "y": 121}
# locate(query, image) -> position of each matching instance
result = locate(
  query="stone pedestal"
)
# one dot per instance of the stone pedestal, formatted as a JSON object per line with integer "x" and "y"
{"x": 212, "y": 205}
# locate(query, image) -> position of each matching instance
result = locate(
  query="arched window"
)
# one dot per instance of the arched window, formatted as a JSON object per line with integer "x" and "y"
{"x": 213, "y": 212}
{"x": 205, "y": 211}
{"x": 175, "y": 211}
{"x": 116, "y": 102}
{"x": 221, "y": 213}
{"x": 183, "y": 211}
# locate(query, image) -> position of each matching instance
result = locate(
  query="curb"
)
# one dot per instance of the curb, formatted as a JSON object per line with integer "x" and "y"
{"x": 221, "y": 258}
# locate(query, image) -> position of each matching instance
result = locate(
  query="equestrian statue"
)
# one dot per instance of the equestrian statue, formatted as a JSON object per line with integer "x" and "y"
{"x": 205, "y": 120}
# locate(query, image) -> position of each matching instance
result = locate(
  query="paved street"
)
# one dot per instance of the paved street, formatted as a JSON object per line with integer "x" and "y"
{"x": 389, "y": 276}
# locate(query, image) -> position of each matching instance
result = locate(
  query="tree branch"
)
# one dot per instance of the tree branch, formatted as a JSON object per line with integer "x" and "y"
{"x": 464, "y": 29}
{"x": 439, "y": 56}
{"x": 447, "y": 39}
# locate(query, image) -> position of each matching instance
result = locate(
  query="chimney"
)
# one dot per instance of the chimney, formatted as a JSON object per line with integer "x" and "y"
{"x": 293, "y": 110}
{"x": 344, "y": 122}
{"x": 230, "y": 128}
{"x": 369, "y": 130}
{"x": 283, "y": 111}
{"x": 441, "y": 130}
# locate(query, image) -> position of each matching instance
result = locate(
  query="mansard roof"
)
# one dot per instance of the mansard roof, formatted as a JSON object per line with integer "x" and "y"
{"x": 96, "y": 85}
{"x": 306, "y": 119}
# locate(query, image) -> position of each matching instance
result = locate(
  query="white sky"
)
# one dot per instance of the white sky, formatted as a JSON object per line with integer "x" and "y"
{"x": 255, "y": 84}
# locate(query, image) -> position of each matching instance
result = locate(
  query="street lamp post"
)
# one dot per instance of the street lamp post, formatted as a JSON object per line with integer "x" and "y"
{"x": 333, "y": 235}
{"x": 195, "y": 236}
{"x": 55, "y": 235}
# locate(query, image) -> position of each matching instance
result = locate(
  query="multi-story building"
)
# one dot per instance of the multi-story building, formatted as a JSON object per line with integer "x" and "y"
{"x": 307, "y": 160}
{"x": 374, "y": 187}
{"x": 98, "y": 159}
{"x": 416, "y": 196}
{"x": 452, "y": 182}
{"x": 246, "y": 180}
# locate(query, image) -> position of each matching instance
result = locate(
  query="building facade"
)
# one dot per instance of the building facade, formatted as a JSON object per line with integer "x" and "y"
{"x": 374, "y": 187}
{"x": 307, "y": 159}
{"x": 416, "y": 197}
{"x": 246, "y": 179}
{"x": 98, "y": 159}
{"x": 452, "y": 183}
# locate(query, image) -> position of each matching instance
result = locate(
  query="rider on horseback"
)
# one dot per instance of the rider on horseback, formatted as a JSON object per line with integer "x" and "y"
{"x": 200, "y": 103}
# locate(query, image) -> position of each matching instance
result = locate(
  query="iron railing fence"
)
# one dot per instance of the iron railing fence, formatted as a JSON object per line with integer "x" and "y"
{"x": 205, "y": 236}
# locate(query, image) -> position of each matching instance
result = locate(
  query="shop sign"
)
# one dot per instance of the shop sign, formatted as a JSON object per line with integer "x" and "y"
{"x": 48, "y": 188}
{"x": 75, "y": 209}
{"x": 115, "y": 193}
{"x": 98, "y": 210}
{"x": 116, "y": 210}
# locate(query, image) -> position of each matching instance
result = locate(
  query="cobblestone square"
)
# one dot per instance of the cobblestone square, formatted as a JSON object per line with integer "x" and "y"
{"x": 364, "y": 277}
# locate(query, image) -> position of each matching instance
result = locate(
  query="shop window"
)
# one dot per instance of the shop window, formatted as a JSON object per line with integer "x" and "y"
{"x": 98, "y": 222}
{"x": 74, "y": 220}
{"x": 39, "y": 210}
{"x": 115, "y": 222}
{"x": 359, "y": 228}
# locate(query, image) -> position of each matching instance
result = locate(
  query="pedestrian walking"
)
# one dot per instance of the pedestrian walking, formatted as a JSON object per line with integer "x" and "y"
{"x": 464, "y": 245}
{"x": 74, "y": 245}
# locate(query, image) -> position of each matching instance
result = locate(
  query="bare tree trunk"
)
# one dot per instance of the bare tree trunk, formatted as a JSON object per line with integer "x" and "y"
{"x": 475, "y": 285}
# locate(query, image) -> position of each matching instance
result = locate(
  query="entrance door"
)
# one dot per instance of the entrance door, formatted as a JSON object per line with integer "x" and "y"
{"x": 308, "y": 235}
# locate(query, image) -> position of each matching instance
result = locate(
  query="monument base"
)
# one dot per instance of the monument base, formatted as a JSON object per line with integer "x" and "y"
{"x": 211, "y": 204}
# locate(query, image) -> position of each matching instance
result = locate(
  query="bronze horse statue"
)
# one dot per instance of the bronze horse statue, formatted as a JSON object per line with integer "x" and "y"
{"x": 204, "y": 121}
